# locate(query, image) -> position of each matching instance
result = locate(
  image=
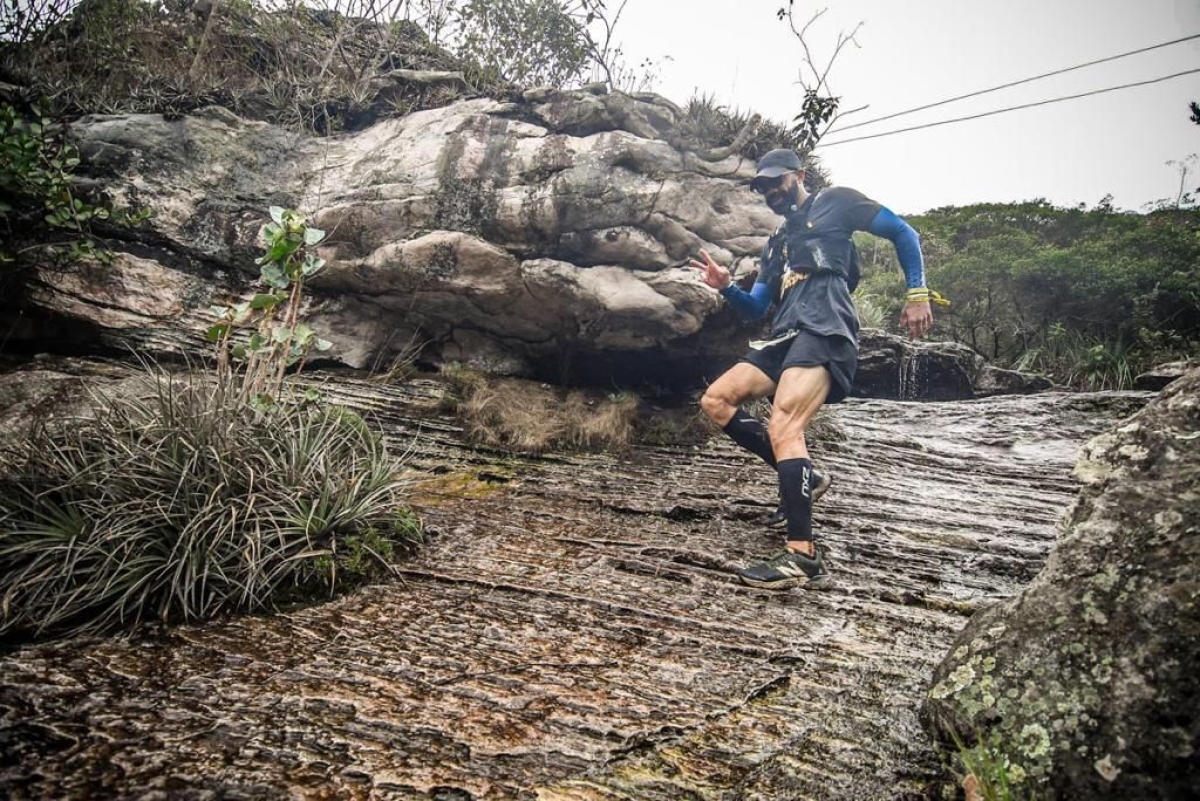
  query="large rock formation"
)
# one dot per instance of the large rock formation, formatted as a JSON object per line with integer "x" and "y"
{"x": 536, "y": 237}
{"x": 1087, "y": 681}
{"x": 1160, "y": 375}
{"x": 542, "y": 238}
{"x": 902, "y": 369}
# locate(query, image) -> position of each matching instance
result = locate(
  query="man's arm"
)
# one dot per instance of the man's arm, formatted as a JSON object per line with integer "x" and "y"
{"x": 751, "y": 305}
{"x": 916, "y": 317}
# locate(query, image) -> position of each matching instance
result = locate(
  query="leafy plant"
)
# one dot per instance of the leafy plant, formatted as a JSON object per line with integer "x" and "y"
{"x": 280, "y": 340}
{"x": 37, "y": 190}
{"x": 188, "y": 503}
{"x": 989, "y": 775}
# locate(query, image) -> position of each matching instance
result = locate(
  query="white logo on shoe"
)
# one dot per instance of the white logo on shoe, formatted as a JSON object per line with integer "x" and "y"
{"x": 792, "y": 570}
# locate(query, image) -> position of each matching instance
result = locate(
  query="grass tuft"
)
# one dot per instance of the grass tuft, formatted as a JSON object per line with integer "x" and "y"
{"x": 184, "y": 504}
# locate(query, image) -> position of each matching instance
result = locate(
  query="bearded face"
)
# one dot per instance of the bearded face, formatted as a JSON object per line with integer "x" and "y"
{"x": 780, "y": 193}
{"x": 780, "y": 199}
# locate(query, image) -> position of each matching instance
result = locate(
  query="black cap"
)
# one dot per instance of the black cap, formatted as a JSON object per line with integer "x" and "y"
{"x": 775, "y": 163}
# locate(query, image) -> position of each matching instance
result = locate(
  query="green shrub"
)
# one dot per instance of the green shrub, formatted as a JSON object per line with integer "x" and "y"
{"x": 1088, "y": 296}
{"x": 187, "y": 504}
{"x": 39, "y": 202}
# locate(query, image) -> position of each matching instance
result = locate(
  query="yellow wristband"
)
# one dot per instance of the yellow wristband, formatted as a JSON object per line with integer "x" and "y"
{"x": 925, "y": 295}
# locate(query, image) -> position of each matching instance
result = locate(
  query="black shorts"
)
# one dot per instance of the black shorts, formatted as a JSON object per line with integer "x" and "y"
{"x": 836, "y": 354}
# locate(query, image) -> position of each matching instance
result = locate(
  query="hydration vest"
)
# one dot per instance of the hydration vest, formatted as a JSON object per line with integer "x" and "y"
{"x": 792, "y": 236}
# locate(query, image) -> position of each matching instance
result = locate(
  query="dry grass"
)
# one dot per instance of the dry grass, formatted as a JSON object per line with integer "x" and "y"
{"x": 607, "y": 423}
{"x": 514, "y": 415}
{"x": 528, "y": 417}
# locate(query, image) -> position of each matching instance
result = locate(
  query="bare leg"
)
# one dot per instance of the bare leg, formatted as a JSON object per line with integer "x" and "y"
{"x": 741, "y": 383}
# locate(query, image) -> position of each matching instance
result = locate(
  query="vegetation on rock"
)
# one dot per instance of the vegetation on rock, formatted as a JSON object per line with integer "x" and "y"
{"x": 296, "y": 66}
{"x": 41, "y": 207}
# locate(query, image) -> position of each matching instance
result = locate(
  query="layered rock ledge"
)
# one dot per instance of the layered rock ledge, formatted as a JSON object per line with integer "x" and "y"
{"x": 574, "y": 628}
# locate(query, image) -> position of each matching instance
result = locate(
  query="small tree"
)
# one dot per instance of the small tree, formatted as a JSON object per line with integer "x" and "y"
{"x": 280, "y": 340}
{"x": 820, "y": 108}
{"x": 524, "y": 42}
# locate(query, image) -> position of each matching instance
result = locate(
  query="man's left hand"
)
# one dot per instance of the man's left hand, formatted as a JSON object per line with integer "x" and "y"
{"x": 916, "y": 318}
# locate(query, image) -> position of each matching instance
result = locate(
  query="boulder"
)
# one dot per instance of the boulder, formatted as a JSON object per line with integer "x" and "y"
{"x": 1086, "y": 682}
{"x": 540, "y": 238}
{"x": 898, "y": 368}
{"x": 52, "y": 389}
{"x": 993, "y": 380}
{"x": 535, "y": 235}
{"x": 1160, "y": 375}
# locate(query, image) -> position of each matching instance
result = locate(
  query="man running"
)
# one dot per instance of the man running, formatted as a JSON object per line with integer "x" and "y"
{"x": 811, "y": 354}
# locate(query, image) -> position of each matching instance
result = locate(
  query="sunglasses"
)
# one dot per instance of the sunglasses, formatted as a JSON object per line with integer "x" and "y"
{"x": 764, "y": 185}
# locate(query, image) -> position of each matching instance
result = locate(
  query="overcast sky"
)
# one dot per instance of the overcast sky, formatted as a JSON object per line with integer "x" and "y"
{"x": 921, "y": 51}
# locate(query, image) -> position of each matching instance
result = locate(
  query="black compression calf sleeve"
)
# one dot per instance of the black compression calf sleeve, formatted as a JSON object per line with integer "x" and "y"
{"x": 746, "y": 430}
{"x": 795, "y": 487}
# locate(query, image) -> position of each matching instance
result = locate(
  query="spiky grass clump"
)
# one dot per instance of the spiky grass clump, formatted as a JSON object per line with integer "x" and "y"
{"x": 186, "y": 504}
{"x": 873, "y": 311}
{"x": 706, "y": 122}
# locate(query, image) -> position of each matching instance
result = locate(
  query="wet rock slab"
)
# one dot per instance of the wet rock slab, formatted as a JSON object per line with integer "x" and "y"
{"x": 574, "y": 629}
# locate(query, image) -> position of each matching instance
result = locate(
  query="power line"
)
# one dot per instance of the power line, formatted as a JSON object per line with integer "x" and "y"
{"x": 1010, "y": 108}
{"x": 1018, "y": 83}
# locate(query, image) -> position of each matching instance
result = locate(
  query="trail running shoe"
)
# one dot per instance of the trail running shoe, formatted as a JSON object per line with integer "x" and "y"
{"x": 820, "y": 483}
{"x": 788, "y": 569}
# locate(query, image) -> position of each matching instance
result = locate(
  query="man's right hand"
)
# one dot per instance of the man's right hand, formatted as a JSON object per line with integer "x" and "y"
{"x": 712, "y": 273}
{"x": 916, "y": 318}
